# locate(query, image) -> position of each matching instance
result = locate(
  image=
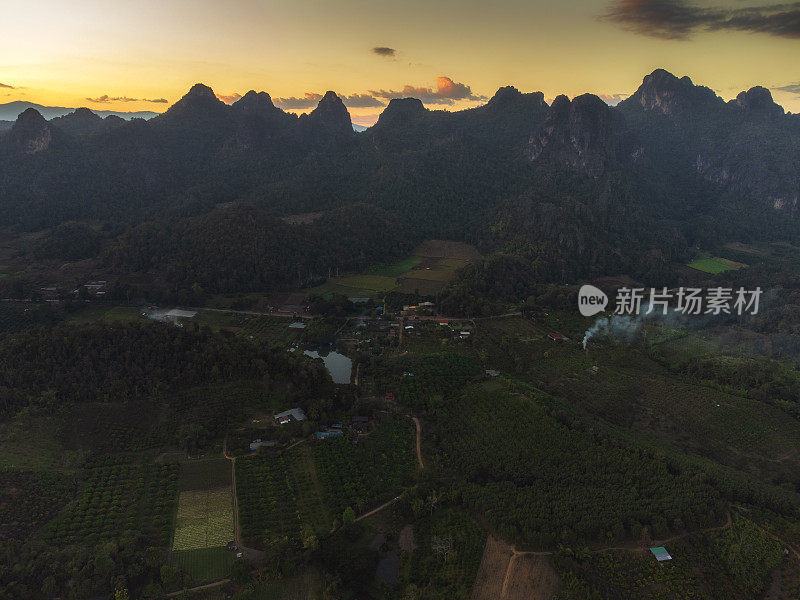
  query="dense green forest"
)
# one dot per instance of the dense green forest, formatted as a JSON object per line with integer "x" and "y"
{"x": 541, "y": 483}
{"x": 99, "y": 363}
{"x": 236, "y": 249}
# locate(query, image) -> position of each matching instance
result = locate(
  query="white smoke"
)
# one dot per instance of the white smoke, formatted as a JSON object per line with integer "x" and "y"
{"x": 623, "y": 328}
{"x": 619, "y": 327}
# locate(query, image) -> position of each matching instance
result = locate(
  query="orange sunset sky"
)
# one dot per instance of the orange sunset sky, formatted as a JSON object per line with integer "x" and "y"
{"x": 145, "y": 54}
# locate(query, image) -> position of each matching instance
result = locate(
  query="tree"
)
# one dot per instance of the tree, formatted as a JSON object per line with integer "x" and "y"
{"x": 310, "y": 541}
{"x": 240, "y": 571}
{"x": 49, "y": 586}
{"x": 442, "y": 546}
{"x": 121, "y": 593}
{"x": 349, "y": 516}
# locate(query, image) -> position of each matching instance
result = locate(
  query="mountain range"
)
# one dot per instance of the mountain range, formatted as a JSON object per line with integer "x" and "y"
{"x": 9, "y": 111}
{"x": 572, "y": 188}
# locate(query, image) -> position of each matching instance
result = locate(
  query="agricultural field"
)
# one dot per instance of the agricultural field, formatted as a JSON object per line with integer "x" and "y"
{"x": 622, "y": 385}
{"x": 370, "y": 473}
{"x": 714, "y": 264}
{"x": 204, "y": 522}
{"x": 396, "y": 269}
{"x": 271, "y": 330}
{"x": 28, "y": 500}
{"x": 431, "y": 377}
{"x": 307, "y": 488}
{"x": 279, "y": 496}
{"x": 17, "y": 316}
{"x": 18, "y": 451}
{"x": 205, "y": 519}
{"x": 116, "y": 499}
{"x": 116, "y": 427}
{"x": 360, "y": 285}
{"x": 203, "y": 564}
{"x": 425, "y": 272}
{"x": 735, "y": 562}
{"x": 519, "y": 466}
{"x": 108, "y": 314}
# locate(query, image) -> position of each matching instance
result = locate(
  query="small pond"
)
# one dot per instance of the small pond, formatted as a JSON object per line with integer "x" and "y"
{"x": 339, "y": 366}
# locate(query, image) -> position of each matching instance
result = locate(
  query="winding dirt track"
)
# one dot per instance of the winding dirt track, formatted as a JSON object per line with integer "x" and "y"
{"x": 419, "y": 442}
{"x": 251, "y": 553}
{"x": 515, "y": 553}
{"x": 421, "y": 466}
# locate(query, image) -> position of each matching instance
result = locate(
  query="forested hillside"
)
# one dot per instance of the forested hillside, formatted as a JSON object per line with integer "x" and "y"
{"x": 574, "y": 189}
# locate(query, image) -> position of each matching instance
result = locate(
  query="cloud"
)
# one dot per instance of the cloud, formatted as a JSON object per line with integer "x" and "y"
{"x": 447, "y": 92}
{"x": 679, "y": 19}
{"x": 5, "y": 85}
{"x": 792, "y": 88}
{"x": 362, "y": 101}
{"x": 612, "y": 99}
{"x": 105, "y": 98}
{"x": 383, "y": 51}
{"x": 230, "y": 98}
{"x": 310, "y": 100}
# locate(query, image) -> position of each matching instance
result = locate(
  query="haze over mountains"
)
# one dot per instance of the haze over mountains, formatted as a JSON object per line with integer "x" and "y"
{"x": 571, "y": 189}
{"x": 9, "y": 111}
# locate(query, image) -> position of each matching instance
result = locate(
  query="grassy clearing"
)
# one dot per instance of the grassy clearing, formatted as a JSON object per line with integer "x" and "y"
{"x": 714, "y": 265}
{"x": 33, "y": 444}
{"x": 396, "y": 269}
{"x": 204, "y": 564}
{"x": 205, "y": 474}
{"x": 114, "y": 314}
{"x": 273, "y": 330}
{"x": 427, "y": 271}
{"x": 205, "y": 519}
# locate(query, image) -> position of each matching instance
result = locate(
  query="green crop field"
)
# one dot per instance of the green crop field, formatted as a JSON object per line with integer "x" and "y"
{"x": 204, "y": 522}
{"x": 205, "y": 519}
{"x": 370, "y": 473}
{"x": 362, "y": 285}
{"x": 135, "y": 498}
{"x": 273, "y": 330}
{"x": 714, "y": 265}
{"x": 395, "y": 269}
{"x": 108, "y": 314}
{"x": 203, "y": 564}
{"x": 280, "y": 495}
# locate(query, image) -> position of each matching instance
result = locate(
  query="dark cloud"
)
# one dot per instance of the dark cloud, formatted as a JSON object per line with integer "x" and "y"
{"x": 792, "y": 88}
{"x": 310, "y": 100}
{"x": 5, "y": 85}
{"x": 362, "y": 101}
{"x": 106, "y": 98}
{"x": 383, "y": 51}
{"x": 678, "y": 19}
{"x": 447, "y": 92}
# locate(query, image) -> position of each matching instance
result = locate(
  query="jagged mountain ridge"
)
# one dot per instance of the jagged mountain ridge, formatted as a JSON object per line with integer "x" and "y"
{"x": 679, "y": 147}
